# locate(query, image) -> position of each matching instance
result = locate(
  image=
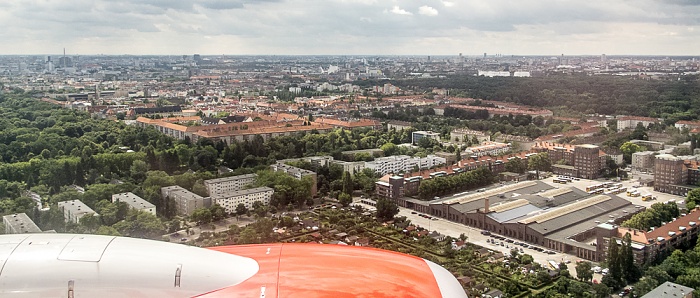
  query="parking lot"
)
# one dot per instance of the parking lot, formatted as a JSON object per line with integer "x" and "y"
{"x": 631, "y": 184}
{"x": 474, "y": 236}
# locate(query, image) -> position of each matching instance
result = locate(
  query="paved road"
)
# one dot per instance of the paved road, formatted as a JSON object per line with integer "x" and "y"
{"x": 453, "y": 229}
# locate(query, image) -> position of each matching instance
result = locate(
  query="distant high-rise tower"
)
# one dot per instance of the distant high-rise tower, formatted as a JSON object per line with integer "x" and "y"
{"x": 603, "y": 58}
{"x": 484, "y": 55}
{"x": 197, "y": 58}
{"x": 428, "y": 58}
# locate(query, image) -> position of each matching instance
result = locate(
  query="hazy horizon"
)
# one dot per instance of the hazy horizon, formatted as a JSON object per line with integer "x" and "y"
{"x": 351, "y": 27}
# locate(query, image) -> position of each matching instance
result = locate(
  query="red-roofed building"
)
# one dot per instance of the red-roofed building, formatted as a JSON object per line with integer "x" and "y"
{"x": 690, "y": 125}
{"x": 647, "y": 245}
{"x": 630, "y": 122}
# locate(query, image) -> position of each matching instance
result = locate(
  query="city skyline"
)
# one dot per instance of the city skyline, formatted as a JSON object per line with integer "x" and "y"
{"x": 352, "y": 27}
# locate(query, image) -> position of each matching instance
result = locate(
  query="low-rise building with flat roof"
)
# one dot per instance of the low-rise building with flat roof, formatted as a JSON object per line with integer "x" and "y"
{"x": 670, "y": 290}
{"x": 134, "y": 202}
{"x": 417, "y": 135}
{"x": 19, "y": 223}
{"x": 74, "y": 210}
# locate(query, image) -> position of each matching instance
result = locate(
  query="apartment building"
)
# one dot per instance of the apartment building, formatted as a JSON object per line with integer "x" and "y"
{"x": 19, "y": 223}
{"x": 630, "y": 122}
{"x": 488, "y": 148}
{"x": 135, "y": 202}
{"x": 351, "y": 167}
{"x": 74, "y": 210}
{"x": 403, "y": 163}
{"x": 230, "y": 200}
{"x": 643, "y": 161}
{"x": 417, "y": 135}
{"x": 647, "y": 245}
{"x": 185, "y": 201}
{"x": 587, "y": 160}
{"x": 687, "y": 124}
{"x": 297, "y": 173}
{"x": 468, "y": 135}
{"x": 230, "y": 132}
{"x": 670, "y": 290}
{"x": 228, "y": 184}
{"x": 670, "y": 174}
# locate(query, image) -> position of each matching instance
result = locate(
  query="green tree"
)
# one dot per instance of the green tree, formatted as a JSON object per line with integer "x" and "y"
{"x": 386, "y": 209}
{"x": 138, "y": 170}
{"x": 348, "y": 185}
{"x": 241, "y": 209}
{"x": 345, "y": 199}
{"x": 584, "y": 271}
{"x": 217, "y": 212}
{"x": 515, "y": 165}
{"x": 614, "y": 277}
{"x": 601, "y": 290}
{"x": 630, "y": 271}
{"x": 693, "y": 199}
{"x": 628, "y": 148}
{"x": 201, "y": 216}
{"x": 539, "y": 162}
{"x": 389, "y": 149}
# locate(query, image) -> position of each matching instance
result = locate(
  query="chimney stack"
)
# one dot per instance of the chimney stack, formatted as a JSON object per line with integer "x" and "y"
{"x": 486, "y": 205}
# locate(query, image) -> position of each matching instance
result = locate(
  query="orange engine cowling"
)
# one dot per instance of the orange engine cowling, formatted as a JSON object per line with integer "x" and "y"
{"x": 68, "y": 265}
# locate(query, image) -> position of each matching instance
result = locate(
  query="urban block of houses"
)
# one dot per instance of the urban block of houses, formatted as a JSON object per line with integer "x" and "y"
{"x": 135, "y": 202}
{"x": 232, "y": 132}
{"x": 74, "y": 210}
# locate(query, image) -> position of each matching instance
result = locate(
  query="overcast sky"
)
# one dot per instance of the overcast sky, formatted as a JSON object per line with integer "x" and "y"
{"x": 383, "y": 27}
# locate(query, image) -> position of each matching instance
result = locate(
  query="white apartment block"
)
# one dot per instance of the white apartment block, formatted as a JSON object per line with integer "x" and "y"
{"x": 134, "y": 202}
{"x": 630, "y": 122}
{"x": 417, "y": 135}
{"x": 467, "y": 135}
{"x": 74, "y": 210}
{"x": 245, "y": 196}
{"x": 185, "y": 200}
{"x": 19, "y": 223}
{"x": 403, "y": 163}
{"x": 643, "y": 160}
{"x": 228, "y": 184}
{"x": 489, "y": 148}
{"x": 350, "y": 166}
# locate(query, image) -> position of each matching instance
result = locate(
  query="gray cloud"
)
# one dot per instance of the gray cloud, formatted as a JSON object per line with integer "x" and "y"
{"x": 351, "y": 26}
